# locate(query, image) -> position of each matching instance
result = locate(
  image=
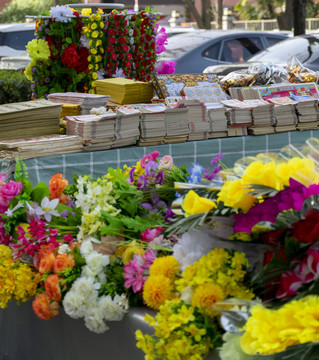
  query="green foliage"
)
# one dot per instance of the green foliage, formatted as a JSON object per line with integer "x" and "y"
{"x": 70, "y": 275}
{"x": 14, "y": 87}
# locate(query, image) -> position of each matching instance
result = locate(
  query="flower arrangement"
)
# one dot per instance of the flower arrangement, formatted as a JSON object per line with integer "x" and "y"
{"x": 140, "y": 236}
{"x": 72, "y": 50}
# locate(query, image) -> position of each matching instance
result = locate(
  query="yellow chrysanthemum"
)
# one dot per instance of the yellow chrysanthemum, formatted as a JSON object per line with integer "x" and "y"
{"x": 302, "y": 170}
{"x": 38, "y": 49}
{"x": 86, "y": 11}
{"x": 206, "y": 296}
{"x": 234, "y": 194}
{"x": 195, "y": 204}
{"x": 95, "y": 34}
{"x": 157, "y": 289}
{"x": 262, "y": 174}
{"x": 166, "y": 265}
{"x": 5, "y": 253}
{"x": 93, "y": 26}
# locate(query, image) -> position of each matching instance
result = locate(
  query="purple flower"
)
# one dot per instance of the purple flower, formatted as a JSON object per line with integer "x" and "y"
{"x": 33, "y": 86}
{"x": 159, "y": 178}
{"x": 64, "y": 214}
{"x": 211, "y": 176}
{"x": 169, "y": 215}
{"x": 156, "y": 204}
{"x": 131, "y": 173}
{"x": 141, "y": 182}
{"x": 34, "y": 94}
{"x": 33, "y": 69}
{"x": 152, "y": 165}
{"x": 46, "y": 22}
{"x": 216, "y": 158}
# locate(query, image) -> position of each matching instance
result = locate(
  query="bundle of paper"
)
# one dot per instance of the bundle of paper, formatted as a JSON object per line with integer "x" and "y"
{"x": 97, "y": 131}
{"x": 40, "y": 146}
{"x": 307, "y": 112}
{"x": 126, "y": 126}
{"x": 261, "y": 130}
{"x": 215, "y": 115}
{"x": 152, "y": 123}
{"x": 86, "y": 101}
{"x": 237, "y": 113}
{"x": 262, "y": 112}
{"x": 197, "y": 121}
{"x": 70, "y": 110}
{"x": 125, "y": 91}
{"x": 176, "y": 125}
{"x": 217, "y": 134}
{"x": 29, "y": 118}
{"x": 237, "y": 131}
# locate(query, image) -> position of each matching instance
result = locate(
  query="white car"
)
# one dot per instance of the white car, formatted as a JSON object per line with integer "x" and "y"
{"x": 14, "y": 38}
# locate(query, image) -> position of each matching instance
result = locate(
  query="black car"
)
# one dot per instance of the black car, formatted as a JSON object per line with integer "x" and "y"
{"x": 304, "y": 47}
{"x": 194, "y": 51}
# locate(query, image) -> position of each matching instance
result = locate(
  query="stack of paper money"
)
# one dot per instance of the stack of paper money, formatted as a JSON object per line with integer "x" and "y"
{"x": 126, "y": 126}
{"x": 215, "y": 115}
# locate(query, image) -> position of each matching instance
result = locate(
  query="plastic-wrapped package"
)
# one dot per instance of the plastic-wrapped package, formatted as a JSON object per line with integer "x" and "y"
{"x": 265, "y": 74}
{"x": 237, "y": 79}
{"x": 298, "y": 73}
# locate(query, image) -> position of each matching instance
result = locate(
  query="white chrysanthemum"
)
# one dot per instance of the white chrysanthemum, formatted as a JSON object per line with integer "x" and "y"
{"x": 102, "y": 278}
{"x": 64, "y": 249}
{"x": 61, "y": 13}
{"x": 85, "y": 287}
{"x": 94, "y": 320}
{"x": 191, "y": 247}
{"x": 111, "y": 310}
{"x": 86, "y": 246}
{"x": 87, "y": 272}
{"x": 96, "y": 262}
{"x": 74, "y": 305}
{"x": 84, "y": 41}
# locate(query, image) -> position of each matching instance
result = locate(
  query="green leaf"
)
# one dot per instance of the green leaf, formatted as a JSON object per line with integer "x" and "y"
{"x": 39, "y": 192}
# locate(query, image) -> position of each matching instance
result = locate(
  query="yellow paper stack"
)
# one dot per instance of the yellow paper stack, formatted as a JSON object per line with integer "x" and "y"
{"x": 125, "y": 91}
{"x": 70, "y": 110}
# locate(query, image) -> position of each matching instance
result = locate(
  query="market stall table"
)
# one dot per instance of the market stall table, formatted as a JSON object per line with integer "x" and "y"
{"x": 96, "y": 163}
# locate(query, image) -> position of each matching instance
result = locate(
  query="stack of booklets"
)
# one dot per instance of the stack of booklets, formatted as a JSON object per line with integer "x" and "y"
{"x": 197, "y": 121}
{"x": 285, "y": 113}
{"x": 70, "y": 110}
{"x": 176, "y": 125}
{"x": 238, "y": 116}
{"x": 86, "y": 101}
{"x": 29, "y": 118}
{"x": 125, "y": 91}
{"x": 215, "y": 115}
{"x": 152, "y": 124}
{"x": 263, "y": 117}
{"x": 96, "y": 131}
{"x": 126, "y": 126}
{"x": 40, "y": 146}
{"x": 307, "y": 112}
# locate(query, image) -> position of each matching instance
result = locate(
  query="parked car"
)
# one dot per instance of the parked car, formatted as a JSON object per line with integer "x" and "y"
{"x": 304, "y": 47}
{"x": 14, "y": 38}
{"x": 172, "y": 31}
{"x": 194, "y": 51}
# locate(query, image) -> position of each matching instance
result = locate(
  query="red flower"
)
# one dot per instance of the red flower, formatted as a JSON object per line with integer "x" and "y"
{"x": 109, "y": 65}
{"x": 134, "y": 33}
{"x": 307, "y": 230}
{"x": 142, "y": 40}
{"x": 148, "y": 37}
{"x": 125, "y": 31}
{"x": 153, "y": 45}
{"x": 83, "y": 61}
{"x": 309, "y": 268}
{"x": 70, "y": 57}
{"x": 122, "y": 40}
{"x": 114, "y": 56}
{"x": 289, "y": 284}
{"x": 125, "y": 48}
{"x": 143, "y": 72}
{"x": 128, "y": 64}
{"x": 110, "y": 48}
{"x": 121, "y": 56}
{"x": 129, "y": 56}
{"x": 112, "y": 40}
{"x": 111, "y": 32}
{"x": 140, "y": 57}
{"x": 75, "y": 13}
{"x": 119, "y": 31}
{"x": 116, "y": 24}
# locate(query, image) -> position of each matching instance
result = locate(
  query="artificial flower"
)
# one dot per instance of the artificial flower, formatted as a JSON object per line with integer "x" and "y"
{"x": 38, "y": 49}
{"x": 195, "y": 204}
{"x": 157, "y": 289}
{"x": 61, "y": 13}
{"x": 57, "y": 184}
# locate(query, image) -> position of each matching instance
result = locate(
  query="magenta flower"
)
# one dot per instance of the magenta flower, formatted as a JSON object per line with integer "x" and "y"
{"x": 309, "y": 268}
{"x": 150, "y": 235}
{"x": 216, "y": 158}
{"x": 149, "y": 258}
{"x": 289, "y": 284}
{"x": 154, "y": 155}
{"x": 10, "y": 190}
{"x": 146, "y": 159}
{"x": 166, "y": 67}
{"x": 133, "y": 274}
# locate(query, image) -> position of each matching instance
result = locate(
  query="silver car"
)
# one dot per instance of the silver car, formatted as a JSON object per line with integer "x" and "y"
{"x": 197, "y": 50}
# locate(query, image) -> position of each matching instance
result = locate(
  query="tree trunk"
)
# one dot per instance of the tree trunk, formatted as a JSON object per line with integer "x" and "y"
{"x": 206, "y": 14}
{"x": 219, "y": 14}
{"x": 194, "y": 11}
{"x": 299, "y": 17}
{"x": 285, "y": 20}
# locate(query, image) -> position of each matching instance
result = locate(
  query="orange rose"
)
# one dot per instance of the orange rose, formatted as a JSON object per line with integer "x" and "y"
{"x": 57, "y": 184}
{"x": 42, "y": 307}
{"x": 46, "y": 263}
{"x": 63, "y": 261}
{"x": 52, "y": 288}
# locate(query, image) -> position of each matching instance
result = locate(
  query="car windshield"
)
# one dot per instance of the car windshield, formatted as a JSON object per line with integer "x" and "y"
{"x": 16, "y": 39}
{"x": 304, "y": 48}
{"x": 178, "y": 45}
